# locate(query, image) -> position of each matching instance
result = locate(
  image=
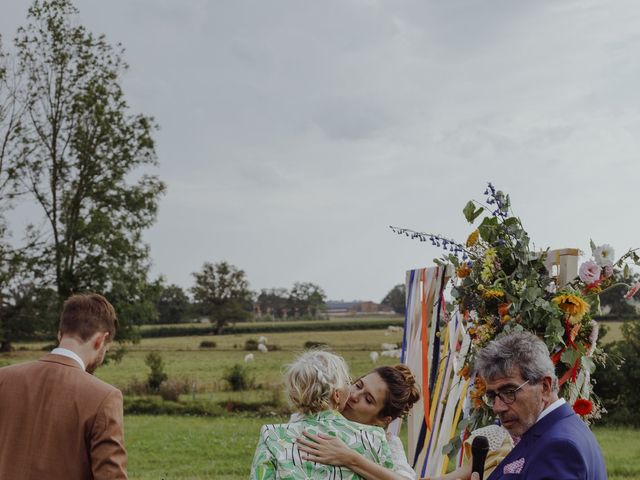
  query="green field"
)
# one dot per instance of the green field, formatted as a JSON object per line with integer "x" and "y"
{"x": 172, "y": 447}
{"x": 164, "y": 447}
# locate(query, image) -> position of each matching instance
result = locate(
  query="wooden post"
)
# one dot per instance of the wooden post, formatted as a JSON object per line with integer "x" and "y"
{"x": 562, "y": 265}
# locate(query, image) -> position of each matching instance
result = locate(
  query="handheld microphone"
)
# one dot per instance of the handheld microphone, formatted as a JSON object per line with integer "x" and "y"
{"x": 479, "y": 450}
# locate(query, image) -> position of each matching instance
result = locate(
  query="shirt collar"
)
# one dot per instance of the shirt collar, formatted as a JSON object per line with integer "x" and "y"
{"x": 70, "y": 354}
{"x": 558, "y": 403}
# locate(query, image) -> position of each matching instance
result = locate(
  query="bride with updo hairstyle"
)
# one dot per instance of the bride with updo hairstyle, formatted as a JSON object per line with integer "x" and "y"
{"x": 377, "y": 398}
{"x": 318, "y": 387}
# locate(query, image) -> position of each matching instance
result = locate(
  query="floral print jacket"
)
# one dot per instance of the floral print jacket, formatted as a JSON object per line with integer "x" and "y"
{"x": 277, "y": 455}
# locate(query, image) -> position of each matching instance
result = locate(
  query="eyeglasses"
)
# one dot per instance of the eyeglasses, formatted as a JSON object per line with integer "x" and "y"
{"x": 507, "y": 396}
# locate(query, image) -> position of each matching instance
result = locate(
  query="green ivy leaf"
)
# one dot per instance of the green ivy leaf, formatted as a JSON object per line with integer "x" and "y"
{"x": 471, "y": 213}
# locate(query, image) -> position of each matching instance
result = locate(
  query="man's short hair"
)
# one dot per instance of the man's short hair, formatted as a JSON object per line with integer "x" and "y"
{"x": 83, "y": 315}
{"x": 519, "y": 350}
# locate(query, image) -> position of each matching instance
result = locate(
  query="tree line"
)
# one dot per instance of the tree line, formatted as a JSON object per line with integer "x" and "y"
{"x": 76, "y": 192}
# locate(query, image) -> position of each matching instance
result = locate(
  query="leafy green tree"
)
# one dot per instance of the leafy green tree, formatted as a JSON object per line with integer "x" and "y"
{"x": 616, "y": 384}
{"x": 396, "y": 299}
{"x": 221, "y": 293}
{"x": 613, "y": 298}
{"x": 80, "y": 156}
{"x": 306, "y": 299}
{"x": 173, "y": 305}
{"x": 273, "y": 301}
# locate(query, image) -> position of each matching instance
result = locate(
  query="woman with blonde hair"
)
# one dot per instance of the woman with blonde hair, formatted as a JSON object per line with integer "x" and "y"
{"x": 317, "y": 385}
{"x": 377, "y": 398}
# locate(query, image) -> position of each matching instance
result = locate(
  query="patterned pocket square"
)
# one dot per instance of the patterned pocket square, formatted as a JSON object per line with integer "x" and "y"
{"x": 514, "y": 467}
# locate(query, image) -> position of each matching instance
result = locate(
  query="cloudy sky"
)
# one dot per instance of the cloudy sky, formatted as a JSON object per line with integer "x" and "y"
{"x": 293, "y": 133}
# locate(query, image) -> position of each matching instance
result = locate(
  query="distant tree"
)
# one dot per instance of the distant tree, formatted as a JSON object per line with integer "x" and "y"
{"x": 80, "y": 151}
{"x": 221, "y": 293}
{"x": 273, "y": 301}
{"x": 616, "y": 384}
{"x": 172, "y": 305}
{"x": 614, "y": 299}
{"x": 396, "y": 299}
{"x": 306, "y": 299}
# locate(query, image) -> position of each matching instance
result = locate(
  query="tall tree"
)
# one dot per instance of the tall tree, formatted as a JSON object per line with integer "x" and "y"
{"x": 273, "y": 302}
{"x": 81, "y": 157}
{"x": 307, "y": 299}
{"x": 173, "y": 305}
{"x": 221, "y": 292}
{"x": 396, "y": 299}
{"x": 18, "y": 287}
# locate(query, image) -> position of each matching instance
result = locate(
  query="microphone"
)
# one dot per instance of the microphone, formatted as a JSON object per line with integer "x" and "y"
{"x": 479, "y": 450}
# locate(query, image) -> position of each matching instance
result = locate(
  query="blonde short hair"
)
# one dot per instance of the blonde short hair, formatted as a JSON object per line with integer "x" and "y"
{"x": 312, "y": 378}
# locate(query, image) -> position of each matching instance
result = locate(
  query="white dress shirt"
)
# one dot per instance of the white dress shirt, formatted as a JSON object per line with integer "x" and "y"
{"x": 68, "y": 353}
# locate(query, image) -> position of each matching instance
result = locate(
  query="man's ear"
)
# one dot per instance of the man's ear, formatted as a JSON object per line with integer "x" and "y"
{"x": 546, "y": 387}
{"x": 99, "y": 339}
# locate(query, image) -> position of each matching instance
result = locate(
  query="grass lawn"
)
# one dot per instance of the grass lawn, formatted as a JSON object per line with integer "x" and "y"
{"x": 171, "y": 448}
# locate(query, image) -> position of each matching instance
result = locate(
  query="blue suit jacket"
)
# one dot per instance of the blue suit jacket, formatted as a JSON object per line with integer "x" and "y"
{"x": 558, "y": 447}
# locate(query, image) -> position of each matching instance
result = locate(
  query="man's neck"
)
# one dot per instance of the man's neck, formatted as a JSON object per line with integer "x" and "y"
{"x": 76, "y": 347}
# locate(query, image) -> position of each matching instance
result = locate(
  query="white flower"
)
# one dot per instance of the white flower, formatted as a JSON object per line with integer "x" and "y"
{"x": 604, "y": 255}
{"x": 589, "y": 272}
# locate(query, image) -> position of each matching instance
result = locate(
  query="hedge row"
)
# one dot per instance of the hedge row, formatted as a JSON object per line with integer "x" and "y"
{"x": 200, "y": 408}
{"x": 277, "y": 327}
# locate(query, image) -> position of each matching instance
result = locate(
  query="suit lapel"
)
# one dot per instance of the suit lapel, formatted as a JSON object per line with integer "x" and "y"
{"x": 531, "y": 436}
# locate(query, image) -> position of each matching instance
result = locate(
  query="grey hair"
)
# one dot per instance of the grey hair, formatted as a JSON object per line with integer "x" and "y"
{"x": 312, "y": 378}
{"x": 519, "y": 350}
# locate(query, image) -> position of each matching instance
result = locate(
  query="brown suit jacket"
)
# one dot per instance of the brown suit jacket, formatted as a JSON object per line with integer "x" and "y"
{"x": 58, "y": 422}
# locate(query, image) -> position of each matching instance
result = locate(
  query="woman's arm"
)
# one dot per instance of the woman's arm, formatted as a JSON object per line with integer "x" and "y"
{"x": 333, "y": 451}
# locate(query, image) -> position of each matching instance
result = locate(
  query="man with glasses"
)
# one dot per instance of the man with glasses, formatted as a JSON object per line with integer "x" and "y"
{"x": 522, "y": 390}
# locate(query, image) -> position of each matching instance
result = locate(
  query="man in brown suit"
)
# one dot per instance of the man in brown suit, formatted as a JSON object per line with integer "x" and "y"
{"x": 57, "y": 421}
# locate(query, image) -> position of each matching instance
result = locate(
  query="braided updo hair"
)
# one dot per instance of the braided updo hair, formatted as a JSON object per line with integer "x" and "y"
{"x": 312, "y": 378}
{"x": 402, "y": 391}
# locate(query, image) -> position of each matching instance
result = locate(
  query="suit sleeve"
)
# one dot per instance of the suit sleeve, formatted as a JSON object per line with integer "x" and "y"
{"x": 264, "y": 465}
{"x": 108, "y": 455}
{"x": 560, "y": 460}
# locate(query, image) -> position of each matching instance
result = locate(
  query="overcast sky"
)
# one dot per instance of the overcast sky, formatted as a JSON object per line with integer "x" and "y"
{"x": 293, "y": 133}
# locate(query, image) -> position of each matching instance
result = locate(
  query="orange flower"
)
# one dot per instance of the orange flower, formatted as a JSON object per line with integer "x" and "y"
{"x": 582, "y": 407}
{"x": 473, "y": 238}
{"x": 464, "y": 373}
{"x": 572, "y": 305}
{"x": 477, "y": 392}
{"x": 503, "y": 309}
{"x": 463, "y": 271}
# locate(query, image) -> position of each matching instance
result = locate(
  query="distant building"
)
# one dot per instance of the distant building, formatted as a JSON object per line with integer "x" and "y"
{"x": 357, "y": 307}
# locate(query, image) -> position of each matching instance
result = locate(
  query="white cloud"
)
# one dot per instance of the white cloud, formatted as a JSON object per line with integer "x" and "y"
{"x": 293, "y": 133}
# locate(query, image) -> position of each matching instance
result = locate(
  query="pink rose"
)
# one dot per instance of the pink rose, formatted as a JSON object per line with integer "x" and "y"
{"x": 608, "y": 270}
{"x": 632, "y": 291}
{"x": 589, "y": 272}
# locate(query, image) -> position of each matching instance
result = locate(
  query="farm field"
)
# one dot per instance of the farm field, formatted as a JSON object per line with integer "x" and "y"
{"x": 191, "y": 447}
